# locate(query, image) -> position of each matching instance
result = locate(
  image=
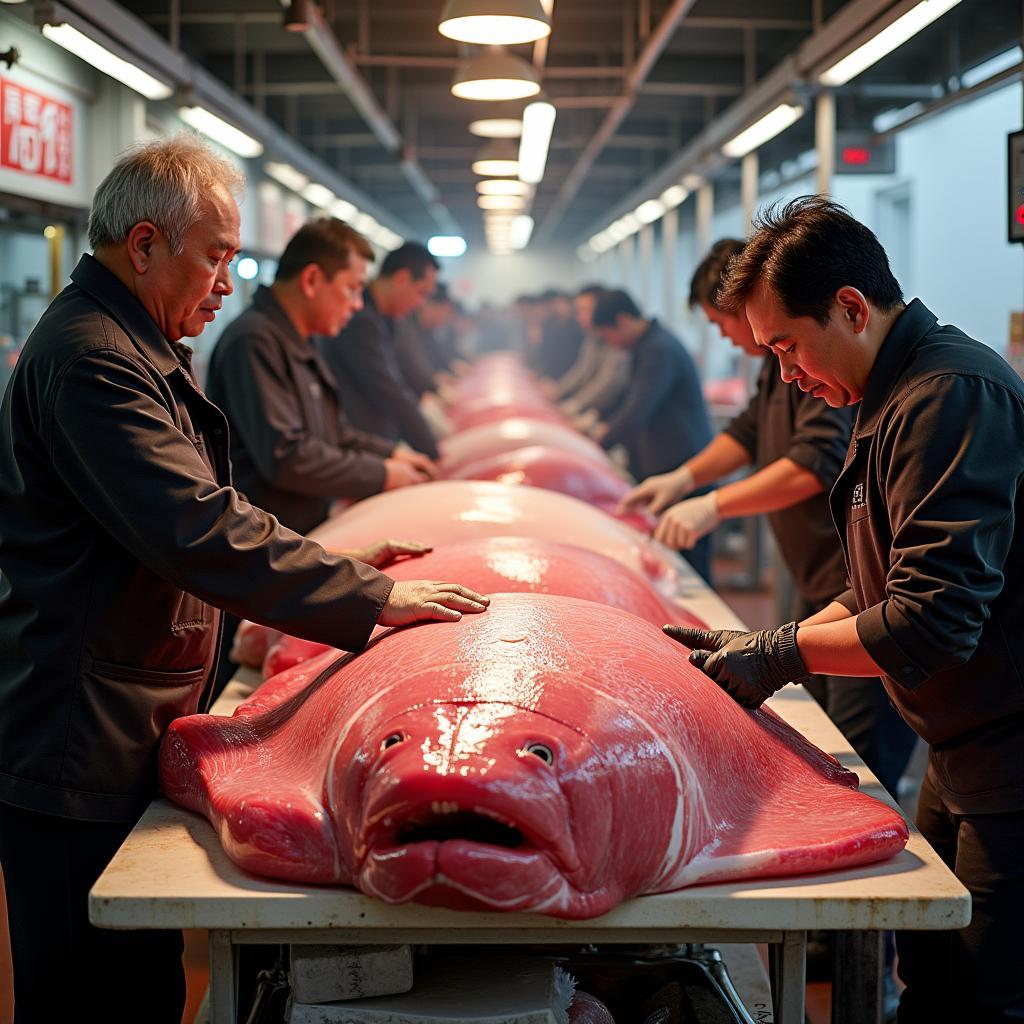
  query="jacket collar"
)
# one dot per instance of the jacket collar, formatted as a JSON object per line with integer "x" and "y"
{"x": 267, "y": 304}
{"x": 91, "y": 276}
{"x": 897, "y": 350}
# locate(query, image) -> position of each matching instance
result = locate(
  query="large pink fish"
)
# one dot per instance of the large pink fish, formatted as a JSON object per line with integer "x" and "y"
{"x": 450, "y": 510}
{"x": 554, "y": 469}
{"x": 550, "y": 755}
{"x": 492, "y": 439}
{"x": 508, "y": 565}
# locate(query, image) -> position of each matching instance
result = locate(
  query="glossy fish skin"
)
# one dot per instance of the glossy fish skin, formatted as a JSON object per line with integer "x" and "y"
{"x": 419, "y": 770}
{"x": 515, "y": 565}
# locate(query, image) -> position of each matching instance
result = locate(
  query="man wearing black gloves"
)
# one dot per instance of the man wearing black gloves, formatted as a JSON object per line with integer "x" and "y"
{"x": 931, "y": 514}
{"x": 798, "y": 444}
{"x": 363, "y": 358}
{"x": 120, "y": 538}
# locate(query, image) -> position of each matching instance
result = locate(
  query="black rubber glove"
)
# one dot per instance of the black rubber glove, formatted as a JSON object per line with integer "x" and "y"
{"x": 702, "y": 639}
{"x": 750, "y": 667}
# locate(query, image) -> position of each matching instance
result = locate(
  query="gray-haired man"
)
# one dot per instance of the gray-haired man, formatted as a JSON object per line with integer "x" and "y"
{"x": 120, "y": 537}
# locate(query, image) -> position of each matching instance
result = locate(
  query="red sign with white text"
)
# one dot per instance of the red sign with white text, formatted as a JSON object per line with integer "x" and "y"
{"x": 35, "y": 133}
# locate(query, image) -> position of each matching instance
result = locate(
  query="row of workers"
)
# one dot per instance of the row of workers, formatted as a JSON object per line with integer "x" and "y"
{"x": 121, "y": 534}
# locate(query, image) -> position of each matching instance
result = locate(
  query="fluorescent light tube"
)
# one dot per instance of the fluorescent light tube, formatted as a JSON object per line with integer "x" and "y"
{"x": 673, "y": 196}
{"x": 220, "y": 131}
{"x": 450, "y": 246}
{"x": 318, "y": 195}
{"x": 649, "y": 212}
{"x": 286, "y": 175}
{"x": 123, "y": 71}
{"x": 760, "y": 132}
{"x": 522, "y": 228}
{"x": 538, "y": 122}
{"x": 890, "y": 38}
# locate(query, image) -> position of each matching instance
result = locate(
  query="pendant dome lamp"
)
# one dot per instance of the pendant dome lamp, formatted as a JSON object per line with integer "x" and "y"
{"x": 495, "y": 22}
{"x": 498, "y": 159}
{"x": 495, "y": 76}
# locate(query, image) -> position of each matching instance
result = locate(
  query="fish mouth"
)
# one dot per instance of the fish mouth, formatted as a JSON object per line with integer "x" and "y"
{"x": 474, "y": 826}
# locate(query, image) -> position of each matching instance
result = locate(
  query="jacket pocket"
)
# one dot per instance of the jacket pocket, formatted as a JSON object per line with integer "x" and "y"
{"x": 150, "y": 676}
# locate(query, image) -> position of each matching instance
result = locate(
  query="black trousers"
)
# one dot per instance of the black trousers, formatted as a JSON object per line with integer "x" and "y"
{"x": 974, "y": 975}
{"x": 64, "y": 968}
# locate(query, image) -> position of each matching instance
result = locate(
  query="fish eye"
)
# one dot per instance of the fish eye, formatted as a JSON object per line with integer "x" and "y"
{"x": 542, "y": 751}
{"x": 391, "y": 741}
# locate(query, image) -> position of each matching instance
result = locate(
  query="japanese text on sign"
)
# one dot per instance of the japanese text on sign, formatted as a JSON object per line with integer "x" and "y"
{"x": 35, "y": 133}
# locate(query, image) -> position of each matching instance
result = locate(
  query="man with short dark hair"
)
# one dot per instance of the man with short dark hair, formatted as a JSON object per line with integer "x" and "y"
{"x": 931, "y": 514}
{"x": 662, "y": 420}
{"x": 363, "y": 358}
{"x": 291, "y": 450}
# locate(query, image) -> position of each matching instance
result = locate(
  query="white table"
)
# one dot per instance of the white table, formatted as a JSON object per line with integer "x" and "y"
{"x": 172, "y": 873}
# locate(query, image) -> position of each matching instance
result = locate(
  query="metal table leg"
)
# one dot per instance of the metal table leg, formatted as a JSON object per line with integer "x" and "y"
{"x": 223, "y": 979}
{"x": 857, "y": 986}
{"x": 787, "y": 961}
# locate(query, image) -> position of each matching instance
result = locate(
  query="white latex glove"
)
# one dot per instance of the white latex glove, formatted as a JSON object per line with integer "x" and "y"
{"x": 658, "y": 492}
{"x": 684, "y": 524}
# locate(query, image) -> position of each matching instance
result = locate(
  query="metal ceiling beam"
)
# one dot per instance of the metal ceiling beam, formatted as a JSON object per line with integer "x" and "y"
{"x": 653, "y": 48}
{"x": 324, "y": 44}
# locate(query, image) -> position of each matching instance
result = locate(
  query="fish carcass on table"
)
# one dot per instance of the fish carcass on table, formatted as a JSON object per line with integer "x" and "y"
{"x": 550, "y": 755}
{"x": 449, "y": 510}
{"x": 492, "y": 439}
{"x": 555, "y": 469}
{"x": 515, "y": 565}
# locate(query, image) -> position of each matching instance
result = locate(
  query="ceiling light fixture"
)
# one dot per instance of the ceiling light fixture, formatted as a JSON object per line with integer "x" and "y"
{"x": 503, "y": 22}
{"x": 673, "y": 196}
{"x": 497, "y": 128}
{"x": 286, "y": 175}
{"x": 495, "y": 76}
{"x": 497, "y": 160}
{"x": 503, "y": 187}
{"x": 522, "y": 228}
{"x": 343, "y": 209}
{"x": 448, "y": 246}
{"x": 538, "y": 123}
{"x": 500, "y": 202}
{"x": 318, "y": 195}
{"x": 221, "y": 131}
{"x": 763, "y": 130}
{"x": 884, "y": 42}
{"x": 103, "y": 57}
{"x": 649, "y": 212}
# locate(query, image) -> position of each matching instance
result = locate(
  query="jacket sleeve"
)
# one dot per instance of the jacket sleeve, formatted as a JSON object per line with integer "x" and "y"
{"x": 650, "y": 384}
{"x": 267, "y": 416}
{"x": 742, "y": 428}
{"x": 950, "y": 502}
{"x": 821, "y": 437}
{"x": 116, "y": 447}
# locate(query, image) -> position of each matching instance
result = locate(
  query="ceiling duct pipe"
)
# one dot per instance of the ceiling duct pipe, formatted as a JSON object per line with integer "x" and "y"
{"x": 652, "y": 50}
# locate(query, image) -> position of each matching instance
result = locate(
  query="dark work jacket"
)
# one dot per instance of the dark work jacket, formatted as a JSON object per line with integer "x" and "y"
{"x": 119, "y": 533}
{"x": 930, "y": 507}
{"x": 374, "y": 394}
{"x": 561, "y": 339}
{"x": 291, "y": 450}
{"x": 661, "y": 420}
{"x": 783, "y": 422}
{"x": 412, "y": 350}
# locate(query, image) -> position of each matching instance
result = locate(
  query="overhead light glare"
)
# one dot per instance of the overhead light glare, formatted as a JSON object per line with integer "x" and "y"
{"x": 522, "y": 229}
{"x": 760, "y": 132}
{"x": 247, "y": 268}
{"x": 219, "y": 130}
{"x": 538, "y": 123}
{"x": 673, "y": 196}
{"x": 649, "y": 212}
{"x": 497, "y": 128}
{"x": 495, "y": 76}
{"x": 105, "y": 60}
{"x": 889, "y": 119}
{"x": 286, "y": 175}
{"x": 343, "y": 209}
{"x": 503, "y": 187}
{"x": 992, "y": 67}
{"x": 500, "y": 202}
{"x": 448, "y": 246}
{"x": 318, "y": 195}
{"x": 890, "y": 38}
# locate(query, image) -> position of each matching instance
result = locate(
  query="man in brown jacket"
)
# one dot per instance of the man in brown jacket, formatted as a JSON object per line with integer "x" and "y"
{"x": 120, "y": 538}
